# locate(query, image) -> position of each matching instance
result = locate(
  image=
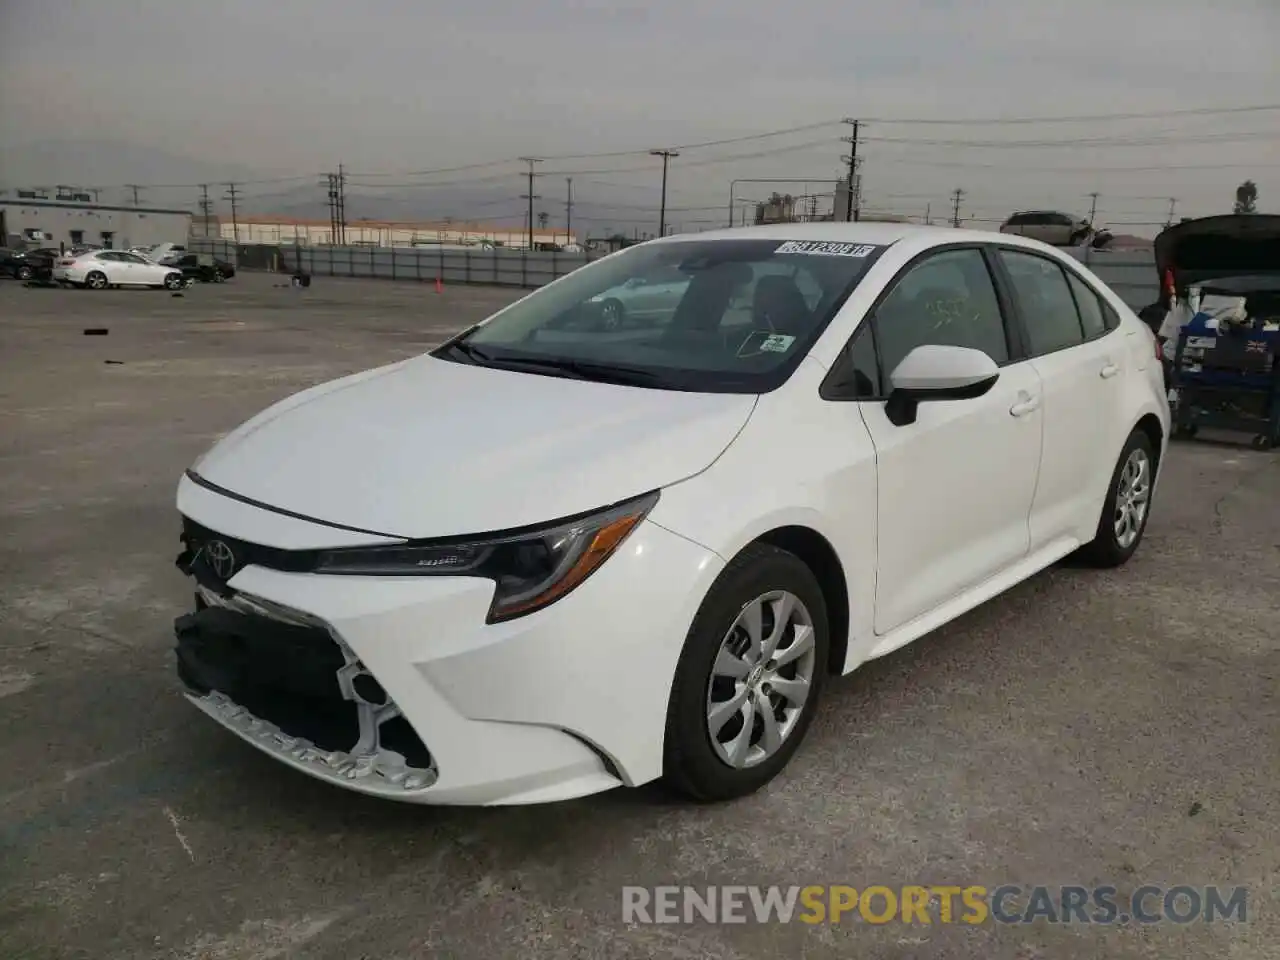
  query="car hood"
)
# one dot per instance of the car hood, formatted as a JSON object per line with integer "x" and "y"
{"x": 1231, "y": 245}
{"x": 432, "y": 448}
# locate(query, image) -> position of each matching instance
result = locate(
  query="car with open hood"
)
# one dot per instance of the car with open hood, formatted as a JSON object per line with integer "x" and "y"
{"x": 552, "y": 557}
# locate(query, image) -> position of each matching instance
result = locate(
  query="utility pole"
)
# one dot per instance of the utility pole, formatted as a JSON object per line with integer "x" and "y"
{"x": 134, "y": 188}
{"x": 342, "y": 206}
{"x": 530, "y": 196}
{"x": 332, "y": 179}
{"x": 1093, "y": 206}
{"x": 956, "y": 196}
{"x": 928, "y": 210}
{"x": 205, "y": 206}
{"x": 568, "y": 211}
{"x": 666, "y": 156}
{"x": 851, "y": 211}
{"x": 235, "y": 223}
{"x": 1173, "y": 205}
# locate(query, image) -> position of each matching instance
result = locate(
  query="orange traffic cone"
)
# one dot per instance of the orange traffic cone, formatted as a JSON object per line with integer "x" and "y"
{"x": 439, "y": 285}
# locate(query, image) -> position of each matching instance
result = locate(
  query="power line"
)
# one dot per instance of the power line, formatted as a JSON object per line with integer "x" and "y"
{"x": 1081, "y": 118}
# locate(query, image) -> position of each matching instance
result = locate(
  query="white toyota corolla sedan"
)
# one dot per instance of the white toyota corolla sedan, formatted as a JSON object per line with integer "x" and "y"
{"x": 555, "y": 556}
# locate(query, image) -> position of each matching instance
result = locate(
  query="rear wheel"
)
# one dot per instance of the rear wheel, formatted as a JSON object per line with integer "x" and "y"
{"x": 24, "y": 273}
{"x": 1128, "y": 503}
{"x": 749, "y": 678}
{"x": 97, "y": 280}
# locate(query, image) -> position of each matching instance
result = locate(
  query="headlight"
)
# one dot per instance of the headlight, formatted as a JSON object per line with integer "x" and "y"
{"x": 531, "y": 569}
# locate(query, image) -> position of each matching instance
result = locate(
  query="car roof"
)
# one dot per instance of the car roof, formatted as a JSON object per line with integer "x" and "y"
{"x": 876, "y": 233}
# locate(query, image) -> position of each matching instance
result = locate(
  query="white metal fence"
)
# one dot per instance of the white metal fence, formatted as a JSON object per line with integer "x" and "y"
{"x": 1131, "y": 274}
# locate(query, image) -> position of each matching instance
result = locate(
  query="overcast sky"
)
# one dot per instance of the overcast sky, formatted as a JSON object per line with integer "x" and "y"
{"x": 293, "y": 87}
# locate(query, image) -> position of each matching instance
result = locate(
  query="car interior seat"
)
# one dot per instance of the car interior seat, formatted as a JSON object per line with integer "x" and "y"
{"x": 778, "y": 305}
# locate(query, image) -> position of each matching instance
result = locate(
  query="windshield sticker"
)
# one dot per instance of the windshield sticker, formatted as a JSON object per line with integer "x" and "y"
{"x": 827, "y": 249}
{"x": 777, "y": 343}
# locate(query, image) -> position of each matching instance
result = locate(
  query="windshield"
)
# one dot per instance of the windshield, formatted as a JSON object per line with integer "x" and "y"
{"x": 701, "y": 315}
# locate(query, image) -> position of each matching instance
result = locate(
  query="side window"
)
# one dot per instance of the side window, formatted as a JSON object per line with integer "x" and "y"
{"x": 1109, "y": 315}
{"x": 856, "y": 374}
{"x": 1044, "y": 299}
{"x": 1061, "y": 220}
{"x": 948, "y": 299}
{"x": 1090, "y": 307}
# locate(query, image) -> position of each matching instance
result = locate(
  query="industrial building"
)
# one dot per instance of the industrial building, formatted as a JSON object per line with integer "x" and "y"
{"x": 48, "y": 218}
{"x": 274, "y": 229}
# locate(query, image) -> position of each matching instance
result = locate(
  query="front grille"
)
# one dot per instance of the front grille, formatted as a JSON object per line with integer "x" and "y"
{"x": 198, "y": 560}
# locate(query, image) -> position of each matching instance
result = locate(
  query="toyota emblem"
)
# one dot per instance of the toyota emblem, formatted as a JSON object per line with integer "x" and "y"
{"x": 221, "y": 560}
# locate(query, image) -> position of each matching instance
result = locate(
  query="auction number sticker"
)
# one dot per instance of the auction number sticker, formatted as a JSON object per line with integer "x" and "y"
{"x": 827, "y": 248}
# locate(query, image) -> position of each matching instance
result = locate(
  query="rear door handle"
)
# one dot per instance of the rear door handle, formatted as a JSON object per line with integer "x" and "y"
{"x": 1109, "y": 371}
{"x": 1022, "y": 408}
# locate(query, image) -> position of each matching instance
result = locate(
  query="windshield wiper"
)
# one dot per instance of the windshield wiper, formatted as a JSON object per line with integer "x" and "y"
{"x": 581, "y": 370}
{"x": 470, "y": 351}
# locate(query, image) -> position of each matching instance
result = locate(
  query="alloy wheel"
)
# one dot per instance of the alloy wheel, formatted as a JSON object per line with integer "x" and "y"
{"x": 1133, "y": 495}
{"x": 761, "y": 679}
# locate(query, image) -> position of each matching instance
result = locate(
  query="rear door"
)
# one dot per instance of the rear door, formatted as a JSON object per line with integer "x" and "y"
{"x": 1081, "y": 363}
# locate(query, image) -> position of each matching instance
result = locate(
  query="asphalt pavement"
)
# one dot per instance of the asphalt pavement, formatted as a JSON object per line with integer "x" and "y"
{"x": 1087, "y": 728}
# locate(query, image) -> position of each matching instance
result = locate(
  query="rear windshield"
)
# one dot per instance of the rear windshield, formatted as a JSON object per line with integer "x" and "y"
{"x": 703, "y": 315}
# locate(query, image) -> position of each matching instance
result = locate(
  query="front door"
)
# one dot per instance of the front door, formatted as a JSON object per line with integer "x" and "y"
{"x": 955, "y": 487}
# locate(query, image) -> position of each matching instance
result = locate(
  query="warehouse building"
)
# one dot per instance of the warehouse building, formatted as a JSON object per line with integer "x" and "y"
{"x": 273, "y": 229}
{"x": 63, "y": 219}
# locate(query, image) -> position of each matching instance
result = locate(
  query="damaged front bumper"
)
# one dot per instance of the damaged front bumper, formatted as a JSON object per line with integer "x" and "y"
{"x": 284, "y": 682}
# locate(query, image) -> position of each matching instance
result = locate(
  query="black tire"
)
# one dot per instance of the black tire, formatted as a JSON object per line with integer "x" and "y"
{"x": 24, "y": 273}
{"x": 173, "y": 281}
{"x": 97, "y": 280}
{"x": 1106, "y": 550}
{"x": 612, "y": 315}
{"x": 217, "y": 276}
{"x": 691, "y": 765}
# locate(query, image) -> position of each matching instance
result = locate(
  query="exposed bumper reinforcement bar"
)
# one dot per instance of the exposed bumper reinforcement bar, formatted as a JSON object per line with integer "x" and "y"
{"x": 383, "y": 773}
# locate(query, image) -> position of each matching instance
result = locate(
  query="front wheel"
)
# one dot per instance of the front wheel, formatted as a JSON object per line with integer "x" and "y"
{"x": 24, "y": 273}
{"x": 749, "y": 678}
{"x": 1128, "y": 503}
{"x": 217, "y": 276}
{"x": 173, "y": 281}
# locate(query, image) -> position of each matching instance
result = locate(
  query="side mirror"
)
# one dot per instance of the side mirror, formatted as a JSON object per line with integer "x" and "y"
{"x": 934, "y": 372}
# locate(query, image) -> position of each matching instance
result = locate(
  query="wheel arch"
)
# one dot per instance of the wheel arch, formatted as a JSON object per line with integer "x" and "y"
{"x": 1150, "y": 424}
{"x": 817, "y": 553}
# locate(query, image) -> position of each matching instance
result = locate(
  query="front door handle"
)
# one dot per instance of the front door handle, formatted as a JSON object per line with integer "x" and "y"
{"x": 1023, "y": 407}
{"x": 1109, "y": 371}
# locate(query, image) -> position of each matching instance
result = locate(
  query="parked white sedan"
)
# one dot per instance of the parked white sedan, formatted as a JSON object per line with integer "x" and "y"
{"x": 100, "y": 269}
{"x": 548, "y": 558}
